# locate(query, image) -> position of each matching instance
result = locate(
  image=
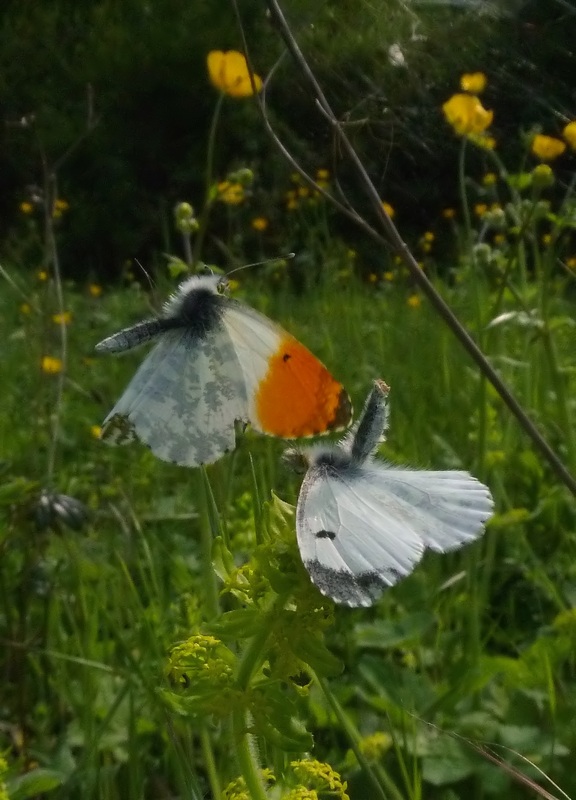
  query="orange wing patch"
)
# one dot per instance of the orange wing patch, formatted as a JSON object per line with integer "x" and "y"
{"x": 298, "y": 397}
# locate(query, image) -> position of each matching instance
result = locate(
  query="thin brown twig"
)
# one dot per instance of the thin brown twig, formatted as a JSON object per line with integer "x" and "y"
{"x": 393, "y": 239}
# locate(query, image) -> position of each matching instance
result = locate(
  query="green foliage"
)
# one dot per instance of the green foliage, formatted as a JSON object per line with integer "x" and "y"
{"x": 160, "y": 633}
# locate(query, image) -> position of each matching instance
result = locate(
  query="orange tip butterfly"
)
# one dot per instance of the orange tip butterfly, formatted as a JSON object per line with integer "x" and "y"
{"x": 217, "y": 361}
{"x": 363, "y": 524}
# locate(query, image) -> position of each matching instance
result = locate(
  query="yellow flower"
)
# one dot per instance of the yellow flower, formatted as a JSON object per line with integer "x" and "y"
{"x": 499, "y": 238}
{"x": 569, "y": 133}
{"x": 26, "y": 208}
{"x": 388, "y": 276}
{"x": 480, "y": 209}
{"x": 388, "y": 209}
{"x": 95, "y": 431}
{"x": 51, "y": 365}
{"x": 303, "y": 191}
{"x": 466, "y": 114}
{"x": 489, "y": 179}
{"x": 25, "y": 308}
{"x": 571, "y": 262}
{"x": 62, "y": 319}
{"x": 372, "y": 277}
{"x": 259, "y": 223}
{"x": 95, "y": 290}
{"x": 448, "y": 213}
{"x": 414, "y": 301}
{"x": 473, "y": 82}
{"x": 547, "y": 148}
{"x": 547, "y": 239}
{"x": 231, "y": 193}
{"x": 322, "y": 174}
{"x": 229, "y": 73}
{"x": 42, "y": 275}
{"x": 429, "y": 236}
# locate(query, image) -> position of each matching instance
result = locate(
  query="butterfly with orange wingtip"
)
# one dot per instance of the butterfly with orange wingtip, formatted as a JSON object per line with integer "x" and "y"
{"x": 363, "y": 524}
{"x": 217, "y": 361}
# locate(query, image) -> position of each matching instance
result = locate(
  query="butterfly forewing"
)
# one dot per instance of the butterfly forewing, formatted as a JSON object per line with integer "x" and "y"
{"x": 184, "y": 399}
{"x": 291, "y": 393}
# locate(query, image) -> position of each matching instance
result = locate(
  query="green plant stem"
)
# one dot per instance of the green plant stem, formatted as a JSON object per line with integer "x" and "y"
{"x": 210, "y": 764}
{"x": 383, "y": 783}
{"x": 243, "y": 740}
{"x": 208, "y": 199}
{"x": 206, "y": 540}
{"x": 52, "y": 257}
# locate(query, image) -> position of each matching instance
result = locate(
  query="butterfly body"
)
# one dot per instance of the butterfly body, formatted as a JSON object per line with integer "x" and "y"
{"x": 217, "y": 361}
{"x": 363, "y": 524}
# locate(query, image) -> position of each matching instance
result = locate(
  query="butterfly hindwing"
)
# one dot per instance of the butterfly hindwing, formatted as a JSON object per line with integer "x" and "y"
{"x": 184, "y": 399}
{"x": 446, "y": 509}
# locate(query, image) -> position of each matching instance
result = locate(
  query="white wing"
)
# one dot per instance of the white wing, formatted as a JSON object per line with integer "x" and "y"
{"x": 363, "y": 529}
{"x": 352, "y": 545}
{"x": 447, "y": 509}
{"x": 183, "y": 400}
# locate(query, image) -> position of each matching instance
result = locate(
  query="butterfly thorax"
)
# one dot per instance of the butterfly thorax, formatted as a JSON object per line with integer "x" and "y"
{"x": 196, "y": 306}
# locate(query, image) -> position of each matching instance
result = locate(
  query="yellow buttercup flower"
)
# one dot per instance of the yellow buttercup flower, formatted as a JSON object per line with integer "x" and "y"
{"x": 259, "y": 223}
{"x": 26, "y": 207}
{"x": 448, "y": 213}
{"x": 25, "y": 308}
{"x": 547, "y": 148}
{"x": 229, "y": 73}
{"x": 231, "y": 193}
{"x": 322, "y": 174}
{"x": 473, "y": 82}
{"x": 569, "y": 133}
{"x": 95, "y": 431}
{"x": 467, "y": 115}
{"x": 489, "y": 179}
{"x": 480, "y": 209}
{"x": 95, "y": 290}
{"x": 414, "y": 301}
{"x": 388, "y": 209}
{"x": 62, "y": 319}
{"x": 42, "y": 275}
{"x": 571, "y": 262}
{"x": 51, "y": 365}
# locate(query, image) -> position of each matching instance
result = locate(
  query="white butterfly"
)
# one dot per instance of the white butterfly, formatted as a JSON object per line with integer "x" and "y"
{"x": 217, "y": 361}
{"x": 364, "y": 524}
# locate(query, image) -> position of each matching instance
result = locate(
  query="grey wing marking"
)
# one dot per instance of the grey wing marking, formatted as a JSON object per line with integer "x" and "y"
{"x": 183, "y": 400}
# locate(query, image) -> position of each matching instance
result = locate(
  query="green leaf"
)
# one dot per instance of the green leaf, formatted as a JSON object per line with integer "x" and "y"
{"x": 310, "y": 648}
{"x": 386, "y": 634}
{"x": 34, "y": 783}
{"x": 242, "y": 623}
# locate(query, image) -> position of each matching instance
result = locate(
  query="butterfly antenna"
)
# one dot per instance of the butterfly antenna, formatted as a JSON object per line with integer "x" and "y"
{"x": 146, "y": 273}
{"x": 286, "y": 257}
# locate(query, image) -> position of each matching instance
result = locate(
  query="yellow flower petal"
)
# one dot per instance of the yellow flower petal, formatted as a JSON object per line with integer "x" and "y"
{"x": 259, "y": 223}
{"x": 569, "y": 133}
{"x": 95, "y": 290}
{"x": 473, "y": 82}
{"x": 231, "y": 193}
{"x": 228, "y": 72}
{"x": 62, "y": 319}
{"x": 388, "y": 209}
{"x": 51, "y": 365}
{"x": 547, "y": 148}
{"x": 467, "y": 115}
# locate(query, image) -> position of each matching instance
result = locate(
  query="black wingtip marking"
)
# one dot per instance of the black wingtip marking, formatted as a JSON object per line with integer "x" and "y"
{"x": 325, "y": 535}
